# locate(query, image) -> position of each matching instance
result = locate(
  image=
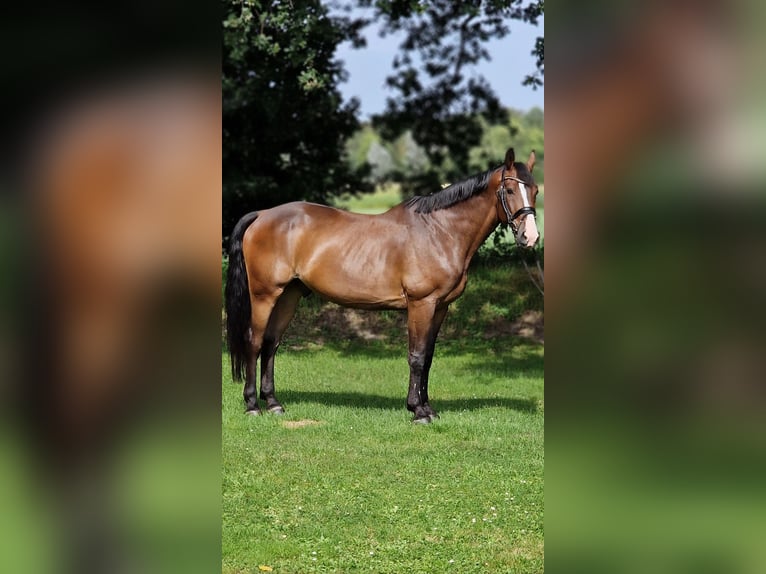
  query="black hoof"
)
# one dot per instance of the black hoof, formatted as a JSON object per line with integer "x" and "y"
{"x": 421, "y": 420}
{"x": 276, "y": 410}
{"x": 254, "y": 412}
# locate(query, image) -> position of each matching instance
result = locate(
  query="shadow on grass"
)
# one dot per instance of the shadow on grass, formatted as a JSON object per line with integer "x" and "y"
{"x": 502, "y": 345}
{"x": 479, "y": 358}
{"x": 482, "y": 358}
{"x": 506, "y": 356}
{"x": 528, "y": 364}
{"x": 370, "y": 401}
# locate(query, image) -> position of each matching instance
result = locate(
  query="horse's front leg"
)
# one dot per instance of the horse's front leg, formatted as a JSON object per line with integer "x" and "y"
{"x": 423, "y": 322}
{"x": 439, "y": 315}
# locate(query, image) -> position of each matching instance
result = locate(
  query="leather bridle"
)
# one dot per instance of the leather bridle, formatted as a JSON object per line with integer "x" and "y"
{"x": 502, "y": 193}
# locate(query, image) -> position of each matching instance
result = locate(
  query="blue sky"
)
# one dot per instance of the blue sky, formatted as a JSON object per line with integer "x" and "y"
{"x": 511, "y": 61}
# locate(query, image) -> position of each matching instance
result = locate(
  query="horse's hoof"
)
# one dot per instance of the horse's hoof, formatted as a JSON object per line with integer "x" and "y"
{"x": 277, "y": 410}
{"x": 254, "y": 413}
{"x": 421, "y": 420}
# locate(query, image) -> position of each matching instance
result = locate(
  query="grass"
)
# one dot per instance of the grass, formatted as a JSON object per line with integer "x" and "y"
{"x": 361, "y": 489}
{"x": 345, "y": 483}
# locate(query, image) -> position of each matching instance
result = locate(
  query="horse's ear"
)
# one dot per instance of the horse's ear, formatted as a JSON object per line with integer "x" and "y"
{"x": 531, "y": 161}
{"x": 510, "y": 157}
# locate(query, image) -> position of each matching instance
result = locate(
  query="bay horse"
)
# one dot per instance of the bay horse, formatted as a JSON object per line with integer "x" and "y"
{"x": 413, "y": 257}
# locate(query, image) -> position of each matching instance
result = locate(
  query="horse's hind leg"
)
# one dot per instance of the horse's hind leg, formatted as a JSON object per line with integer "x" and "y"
{"x": 280, "y": 318}
{"x": 261, "y": 309}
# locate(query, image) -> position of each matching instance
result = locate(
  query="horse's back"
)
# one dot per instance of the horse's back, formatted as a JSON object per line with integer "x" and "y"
{"x": 282, "y": 227}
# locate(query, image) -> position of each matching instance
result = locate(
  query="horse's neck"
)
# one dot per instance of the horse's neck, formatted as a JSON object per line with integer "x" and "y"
{"x": 469, "y": 223}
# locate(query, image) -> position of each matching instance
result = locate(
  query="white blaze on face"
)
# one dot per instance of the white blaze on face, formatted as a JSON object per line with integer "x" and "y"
{"x": 530, "y": 225}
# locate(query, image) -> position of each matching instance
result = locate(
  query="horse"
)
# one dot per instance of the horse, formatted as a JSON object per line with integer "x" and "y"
{"x": 414, "y": 257}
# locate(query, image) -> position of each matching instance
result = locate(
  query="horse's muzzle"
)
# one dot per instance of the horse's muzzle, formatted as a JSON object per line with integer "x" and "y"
{"x": 527, "y": 234}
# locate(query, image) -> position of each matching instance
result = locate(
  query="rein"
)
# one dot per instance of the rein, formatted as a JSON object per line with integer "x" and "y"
{"x": 531, "y": 277}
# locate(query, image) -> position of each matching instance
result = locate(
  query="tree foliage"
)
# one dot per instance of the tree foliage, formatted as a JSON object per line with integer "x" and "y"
{"x": 284, "y": 121}
{"x": 523, "y": 131}
{"x": 436, "y": 98}
{"x": 406, "y": 160}
{"x": 285, "y": 125}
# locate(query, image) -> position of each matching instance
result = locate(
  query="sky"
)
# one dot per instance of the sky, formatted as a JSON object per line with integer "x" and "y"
{"x": 511, "y": 62}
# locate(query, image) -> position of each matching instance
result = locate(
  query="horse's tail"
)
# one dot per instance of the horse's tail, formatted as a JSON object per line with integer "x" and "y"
{"x": 237, "y": 300}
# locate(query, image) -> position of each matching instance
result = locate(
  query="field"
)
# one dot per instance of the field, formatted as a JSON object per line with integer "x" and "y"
{"x": 343, "y": 482}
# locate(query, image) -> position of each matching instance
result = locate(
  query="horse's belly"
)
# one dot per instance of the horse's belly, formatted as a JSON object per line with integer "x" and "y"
{"x": 358, "y": 292}
{"x": 349, "y": 267}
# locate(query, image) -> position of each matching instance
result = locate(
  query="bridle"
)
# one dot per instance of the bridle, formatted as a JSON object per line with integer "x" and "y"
{"x": 502, "y": 193}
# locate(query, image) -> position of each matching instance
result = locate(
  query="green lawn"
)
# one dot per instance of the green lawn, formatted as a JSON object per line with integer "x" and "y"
{"x": 345, "y": 483}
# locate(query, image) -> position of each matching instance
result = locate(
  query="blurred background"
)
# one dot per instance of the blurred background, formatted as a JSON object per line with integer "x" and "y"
{"x": 111, "y": 173}
{"x": 655, "y": 307}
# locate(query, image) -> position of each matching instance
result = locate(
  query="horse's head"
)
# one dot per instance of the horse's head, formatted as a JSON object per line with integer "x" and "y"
{"x": 517, "y": 192}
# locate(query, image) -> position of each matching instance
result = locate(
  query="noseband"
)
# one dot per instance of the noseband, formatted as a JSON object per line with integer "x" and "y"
{"x": 502, "y": 192}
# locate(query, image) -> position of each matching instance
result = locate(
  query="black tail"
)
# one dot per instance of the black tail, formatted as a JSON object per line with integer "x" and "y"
{"x": 237, "y": 300}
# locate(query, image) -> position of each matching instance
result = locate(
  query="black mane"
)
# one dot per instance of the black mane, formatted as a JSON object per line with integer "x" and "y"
{"x": 461, "y": 191}
{"x": 451, "y": 195}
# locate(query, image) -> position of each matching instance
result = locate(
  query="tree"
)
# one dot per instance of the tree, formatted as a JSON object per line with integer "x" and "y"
{"x": 379, "y": 159}
{"x": 409, "y": 157}
{"x": 285, "y": 126}
{"x": 284, "y": 122}
{"x": 436, "y": 98}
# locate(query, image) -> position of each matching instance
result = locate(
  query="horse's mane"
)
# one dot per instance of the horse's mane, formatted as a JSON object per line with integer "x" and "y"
{"x": 451, "y": 195}
{"x": 460, "y": 191}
